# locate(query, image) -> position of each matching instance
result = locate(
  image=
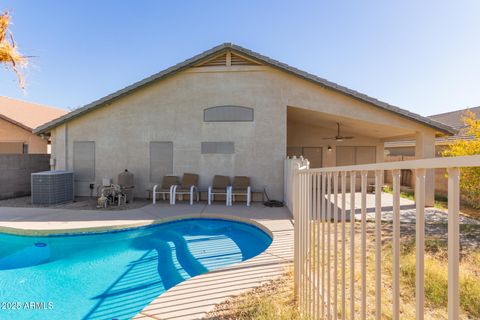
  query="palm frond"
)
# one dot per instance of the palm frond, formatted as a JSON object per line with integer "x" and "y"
{"x": 9, "y": 55}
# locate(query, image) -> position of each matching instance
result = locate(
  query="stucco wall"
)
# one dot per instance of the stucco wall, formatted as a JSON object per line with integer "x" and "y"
{"x": 172, "y": 110}
{"x": 10, "y": 132}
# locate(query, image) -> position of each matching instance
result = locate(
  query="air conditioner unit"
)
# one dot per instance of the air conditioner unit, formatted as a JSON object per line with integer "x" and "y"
{"x": 52, "y": 187}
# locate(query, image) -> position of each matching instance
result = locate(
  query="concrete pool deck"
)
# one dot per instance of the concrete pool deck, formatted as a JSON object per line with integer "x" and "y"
{"x": 193, "y": 298}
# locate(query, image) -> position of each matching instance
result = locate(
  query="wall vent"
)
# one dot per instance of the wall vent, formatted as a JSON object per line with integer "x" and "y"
{"x": 228, "y": 58}
{"x": 241, "y": 61}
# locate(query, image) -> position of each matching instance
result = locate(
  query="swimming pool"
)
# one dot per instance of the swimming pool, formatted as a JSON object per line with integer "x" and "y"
{"x": 114, "y": 275}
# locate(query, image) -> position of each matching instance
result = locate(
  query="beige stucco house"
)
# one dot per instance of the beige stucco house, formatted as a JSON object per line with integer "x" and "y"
{"x": 228, "y": 111}
{"x": 17, "y": 120}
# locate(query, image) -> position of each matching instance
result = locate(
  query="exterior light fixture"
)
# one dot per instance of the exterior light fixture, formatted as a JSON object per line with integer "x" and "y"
{"x": 329, "y": 148}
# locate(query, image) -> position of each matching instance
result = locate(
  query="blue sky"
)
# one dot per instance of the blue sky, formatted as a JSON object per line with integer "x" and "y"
{"x": 420, "y": 55}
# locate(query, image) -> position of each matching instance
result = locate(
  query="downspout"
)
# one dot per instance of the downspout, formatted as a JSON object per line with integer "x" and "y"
{"x": 66, "y": 145}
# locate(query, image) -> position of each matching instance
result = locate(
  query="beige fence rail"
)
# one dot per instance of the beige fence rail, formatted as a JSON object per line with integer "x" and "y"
{"x": 326, "y": 239}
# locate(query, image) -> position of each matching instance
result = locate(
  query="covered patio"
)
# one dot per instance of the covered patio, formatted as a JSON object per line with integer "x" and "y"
{"x": 330, "y": 137}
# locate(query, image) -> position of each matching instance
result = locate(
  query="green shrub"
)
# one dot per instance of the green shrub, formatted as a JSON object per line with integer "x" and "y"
{"x": 470, "y": 177}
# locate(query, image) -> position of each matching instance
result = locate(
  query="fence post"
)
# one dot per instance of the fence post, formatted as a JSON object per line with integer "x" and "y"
{"x": 396, "y": 245}
{"x": 378, "y": 243}
{"x": 344, "y": 243}
{"x": 363, "y": 245}
{"x": 420, "y": 243}
{"x": 296, "y": 253}
{"x": 353, "y": 178}
{"x": 453, "y": 243}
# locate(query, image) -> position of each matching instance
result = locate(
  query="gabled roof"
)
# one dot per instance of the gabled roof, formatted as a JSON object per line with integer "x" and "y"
{"x": 25, "y": 114}
{"x": 255, "y": 56}
{"x": 454, "y": 119}
{"x": 18, "y": 124}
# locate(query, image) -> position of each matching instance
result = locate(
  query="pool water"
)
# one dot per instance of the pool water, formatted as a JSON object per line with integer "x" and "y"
{"x": 114, "y": 275}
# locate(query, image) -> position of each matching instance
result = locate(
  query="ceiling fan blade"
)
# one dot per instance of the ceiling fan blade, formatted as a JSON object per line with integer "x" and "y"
{"x": 338, "y": 137}
{"x": 341, "y": 138}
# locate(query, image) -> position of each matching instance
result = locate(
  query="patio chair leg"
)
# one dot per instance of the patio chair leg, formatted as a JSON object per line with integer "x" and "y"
{"x": 191, "y": 195}
{"x": 173, "y": 191}
{"x": 230, "y": 197}
{"x": 154, "y": 195}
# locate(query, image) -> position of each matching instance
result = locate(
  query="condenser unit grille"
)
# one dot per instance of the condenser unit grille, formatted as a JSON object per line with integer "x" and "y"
{"x": 52, "y": 187}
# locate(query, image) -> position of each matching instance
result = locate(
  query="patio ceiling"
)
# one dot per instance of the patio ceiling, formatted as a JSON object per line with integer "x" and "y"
{"x": 348, "y": 126}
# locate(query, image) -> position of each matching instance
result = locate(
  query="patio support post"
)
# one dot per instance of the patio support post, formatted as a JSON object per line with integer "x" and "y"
{"x": 424, "y": 149}
{"x": 380, "y": 157}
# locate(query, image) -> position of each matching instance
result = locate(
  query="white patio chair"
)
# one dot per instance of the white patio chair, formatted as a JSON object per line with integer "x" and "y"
{"x": 220, "y": 186}
{"x": 168, "y": 182}
{"x": 188, "y": 186}
{"x": 241, "y": 187}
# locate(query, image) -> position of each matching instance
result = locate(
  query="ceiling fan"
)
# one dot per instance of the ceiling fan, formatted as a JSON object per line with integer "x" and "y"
{"x": 338, "y": 137}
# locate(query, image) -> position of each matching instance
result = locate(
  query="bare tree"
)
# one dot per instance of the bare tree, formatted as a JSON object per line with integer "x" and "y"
{"x": 9, "y": 55}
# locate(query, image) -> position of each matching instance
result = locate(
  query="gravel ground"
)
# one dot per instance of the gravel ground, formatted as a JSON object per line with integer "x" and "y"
{"x": 436, "y": 226}
{"x": 432, "y": 215}
{"x": 80, "y": 203}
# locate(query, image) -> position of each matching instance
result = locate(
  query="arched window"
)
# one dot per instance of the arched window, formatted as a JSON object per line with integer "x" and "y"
{"x": 228, "y": 114}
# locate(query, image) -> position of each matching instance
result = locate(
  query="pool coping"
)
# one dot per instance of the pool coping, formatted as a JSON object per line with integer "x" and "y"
{"x": 125, "y": 227}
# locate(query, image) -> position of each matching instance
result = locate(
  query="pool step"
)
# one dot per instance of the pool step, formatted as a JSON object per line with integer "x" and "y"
{"x": 183, "y": 254}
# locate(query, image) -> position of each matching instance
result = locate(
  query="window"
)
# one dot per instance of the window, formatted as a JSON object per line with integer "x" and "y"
{"x": 228, "y": 114}
{"x": 84, "y": 160}
{"x": 161, "y": 160}
{"x": 25, "y": 148}
{"x": 218, "y": 148}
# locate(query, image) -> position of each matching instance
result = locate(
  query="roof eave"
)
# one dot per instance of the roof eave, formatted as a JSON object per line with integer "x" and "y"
{"x": 12, "y": 121}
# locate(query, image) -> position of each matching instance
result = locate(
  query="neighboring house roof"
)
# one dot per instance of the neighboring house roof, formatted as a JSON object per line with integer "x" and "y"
{"x": 258, "y": 57}
{"x": 27, "y": 115}
{"x": 452, "y": 119}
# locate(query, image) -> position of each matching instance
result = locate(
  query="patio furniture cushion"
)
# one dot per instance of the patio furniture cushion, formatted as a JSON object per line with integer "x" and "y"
{"x": 220, "y": 183}
{"x": 167, "y": 182}
{"x": 240, "y": 183}
{"x": 189, "y": 179}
